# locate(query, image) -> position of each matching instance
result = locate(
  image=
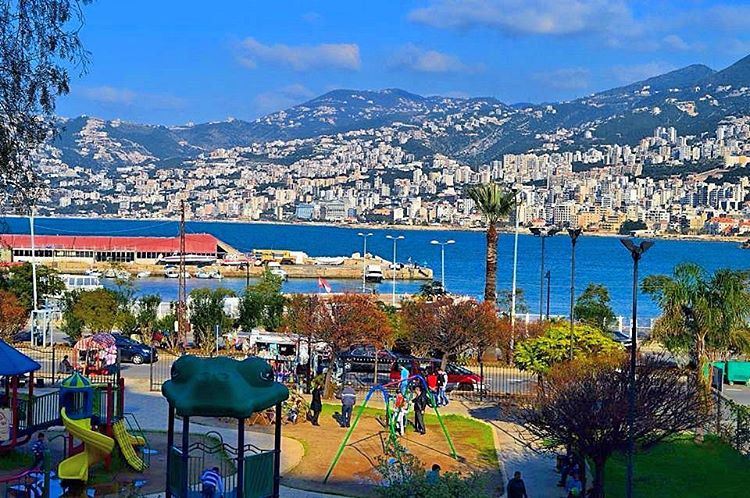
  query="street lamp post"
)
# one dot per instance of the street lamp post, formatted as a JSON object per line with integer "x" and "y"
{"x": 442, "y": 257}
{"x": 548, "y": 276}
{"x": 636, "y": 252}
{"x": 364, "y": 258}
{"x": 574, "y": 234}
{"x": 542, "y": 233}
{"x": 395, "y": 239}
{"x": 515, "y": 267}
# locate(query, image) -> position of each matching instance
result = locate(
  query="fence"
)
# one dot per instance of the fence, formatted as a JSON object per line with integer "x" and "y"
{"x": 471, "y": 380}
{"x": 49, "y": 358}
{"x": 731, "y": 422}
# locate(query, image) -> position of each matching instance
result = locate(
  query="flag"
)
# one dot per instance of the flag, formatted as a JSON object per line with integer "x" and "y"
{"x": 323, "y": 283}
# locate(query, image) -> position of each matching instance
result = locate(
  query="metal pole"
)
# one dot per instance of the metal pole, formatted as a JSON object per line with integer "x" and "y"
{"x": 393, "y": 286}
{"x": 170, "y": 444}
{"x": 572, "y": 293}
{"x": 364, "y": 264}
{"x": 240, "y": 489}
{"x": 184, "y": 485}
{"x": 513, "y": 285}
{"x": 442, "y": 265}
{"x": 277, "y": 453}
{"x": 631, "y": 380}
{"x": 247, "y": 273}
{"x": 541, "y": 282}
{"x": 549, "y": 276}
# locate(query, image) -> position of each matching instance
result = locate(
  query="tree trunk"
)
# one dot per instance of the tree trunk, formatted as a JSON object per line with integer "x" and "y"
{"x": 328, "y": 384}
{"x": 444, "y": 362}
{"x": 597, "y": 489}
{"x": 490, "y": 278}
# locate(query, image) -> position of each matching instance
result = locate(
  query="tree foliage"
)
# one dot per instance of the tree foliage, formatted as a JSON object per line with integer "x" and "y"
{"x": 263, "y": 304}
{"x": 583, "y": 405}
{"x": 593, "y": 307}
{"x": 495, "y": 203}
{"x": 206, "y": 312}
{"x": 450, "y": 327}
{"x": 20, "y": 281}
{"x": 39, "y": 42}
{"x": 541, "y": 353}
{"x": 95, "y": 311}
{"x": 704, "y": 315}
{"x": 13, "y": 316}
{"x": 505, "y": 301}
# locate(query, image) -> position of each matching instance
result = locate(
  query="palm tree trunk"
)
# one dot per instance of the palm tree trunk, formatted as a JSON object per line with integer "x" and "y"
{"x": 490, "y": 278}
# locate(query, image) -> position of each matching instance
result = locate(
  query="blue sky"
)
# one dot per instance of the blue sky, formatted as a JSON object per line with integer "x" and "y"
{"x": 173, "y": 62}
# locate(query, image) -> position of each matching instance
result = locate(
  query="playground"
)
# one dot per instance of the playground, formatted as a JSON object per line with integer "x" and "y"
{"x": 355, "y": 474}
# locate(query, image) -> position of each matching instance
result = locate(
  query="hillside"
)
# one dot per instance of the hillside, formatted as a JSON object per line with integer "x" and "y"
{"x": 693, "y": 99}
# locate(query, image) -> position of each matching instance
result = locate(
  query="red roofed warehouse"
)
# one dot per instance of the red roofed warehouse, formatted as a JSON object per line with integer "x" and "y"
{"x": 93, "y": 249}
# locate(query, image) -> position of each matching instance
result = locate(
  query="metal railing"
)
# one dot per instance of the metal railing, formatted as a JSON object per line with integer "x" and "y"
{"x": 50, "y": 357}
{"x": 731, "y": 422}
{"x": 39, "y": 412}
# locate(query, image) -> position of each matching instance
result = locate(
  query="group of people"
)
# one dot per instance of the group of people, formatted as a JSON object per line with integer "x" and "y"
{"x": 405, "y": 399}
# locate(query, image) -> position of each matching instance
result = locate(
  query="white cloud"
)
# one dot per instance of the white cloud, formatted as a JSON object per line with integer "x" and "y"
{"x": 529, "y": 17}
{"x": 427, "y": 61}
{"x": 675, "y": 42}
{"x": 130, "y": 98}
{"x": 570, "y": 78}
{"x": 282, "y": 98}
{"x": 300, "y": 57}
{"x": 638, "y": 72}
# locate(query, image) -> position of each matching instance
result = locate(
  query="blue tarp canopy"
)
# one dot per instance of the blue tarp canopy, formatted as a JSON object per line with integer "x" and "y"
{"x": 14, "y": 362}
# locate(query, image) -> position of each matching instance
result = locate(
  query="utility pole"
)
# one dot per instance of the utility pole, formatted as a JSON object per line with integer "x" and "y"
{"x": 395, "y": 239}
{"x": 182, "y": 319}
{"x": 513, "y": 285}
{"x": 574, "y": 233}
{"x": 34, "y": 311}
{"x": 364, "y": 259}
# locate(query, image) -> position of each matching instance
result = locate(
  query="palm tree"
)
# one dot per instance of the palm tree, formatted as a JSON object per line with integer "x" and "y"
{"x": 706, "y": 315}
{"x": 495, "y": 203}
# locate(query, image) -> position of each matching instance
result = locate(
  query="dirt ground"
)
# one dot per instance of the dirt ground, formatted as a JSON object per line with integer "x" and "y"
{"x": 355, "y": 473}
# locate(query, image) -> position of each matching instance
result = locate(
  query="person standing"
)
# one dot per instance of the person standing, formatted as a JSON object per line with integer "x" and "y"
{"x": 401, "y": 409}
{"x": 516, "y": 487}
{"x": 574, "y": 487}
{"x": 432, "y": 385}
{"x": 348, "y": 400}
{"x": 316, "y": 406}
{"x": 420, "y": 404}
{"x": 212, "y": 485}
{"x": 442, "y": 381}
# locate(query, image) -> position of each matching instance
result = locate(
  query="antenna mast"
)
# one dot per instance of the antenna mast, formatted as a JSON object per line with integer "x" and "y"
{"x": 182, "y": 320}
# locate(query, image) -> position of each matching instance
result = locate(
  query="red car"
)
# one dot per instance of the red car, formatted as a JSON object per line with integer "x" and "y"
{"x": 459, "y": 378}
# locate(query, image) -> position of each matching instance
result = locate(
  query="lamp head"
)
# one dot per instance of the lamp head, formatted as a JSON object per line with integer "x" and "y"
{"x": 451, "y": 241}
{"x": 575, "y": 233}
{"x": 434, "y": 242}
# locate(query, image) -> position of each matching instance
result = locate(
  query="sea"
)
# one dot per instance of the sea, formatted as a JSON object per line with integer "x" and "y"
{"x": 599, "y": 259}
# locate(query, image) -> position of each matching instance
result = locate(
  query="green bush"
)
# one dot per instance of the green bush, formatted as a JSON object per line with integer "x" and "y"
{"x": 539, "y": 354}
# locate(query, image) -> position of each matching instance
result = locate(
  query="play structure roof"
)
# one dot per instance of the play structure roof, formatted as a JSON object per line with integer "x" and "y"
{"x": 222, "y": 387}
{"x": 14, "y": 362}
{"x": 76, "y": 381}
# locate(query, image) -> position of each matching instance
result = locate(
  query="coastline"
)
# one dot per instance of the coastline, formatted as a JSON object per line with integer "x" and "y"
{"x": 376, "y": 226}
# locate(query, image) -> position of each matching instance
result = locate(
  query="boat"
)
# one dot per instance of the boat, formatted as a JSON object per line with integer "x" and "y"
{"x": 202, "y": 274}
{"x": 143, "y": 274}
{"x": 745, "y": 245}
{"x": 216, "y": 274}
{"x": 190, "y": 259}
{"x": 175, "y": 274}
{"x": 93, "y": 272}
{"x": 111, "y": 273}
{"x": 373, "y": 273}
{"x": 80, "y": 282}
{"x": 122, "y": 275}
{"x": 275, "y": 269}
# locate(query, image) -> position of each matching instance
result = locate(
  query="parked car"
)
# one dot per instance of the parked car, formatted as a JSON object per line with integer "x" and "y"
{"x": 459, "y": 378}
{"x": 134, "y": 352}
{"x": 362, "y": 359}
{"x": 25, "y": 336}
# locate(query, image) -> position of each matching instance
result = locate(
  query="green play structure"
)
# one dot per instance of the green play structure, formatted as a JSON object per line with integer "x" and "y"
{"x": 222, "y": 387}
{"x": 390, "y": 421}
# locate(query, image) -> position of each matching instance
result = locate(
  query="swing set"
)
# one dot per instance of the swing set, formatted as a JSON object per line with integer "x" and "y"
{"x": 390, "y": 420}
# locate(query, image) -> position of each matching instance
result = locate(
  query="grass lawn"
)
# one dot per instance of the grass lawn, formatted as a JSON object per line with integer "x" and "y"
{"x": 681, "y": 468}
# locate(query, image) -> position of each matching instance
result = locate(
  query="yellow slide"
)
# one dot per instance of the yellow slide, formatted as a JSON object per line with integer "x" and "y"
{"x": 95, "y": 447}
{"x": 127, "y": 443}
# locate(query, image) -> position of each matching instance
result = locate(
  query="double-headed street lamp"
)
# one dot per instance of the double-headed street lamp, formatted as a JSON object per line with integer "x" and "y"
{"x": 393, "y": 269}
{"x": 364, "y": 258}
{"x": 574, "y": 234}
{"x": 636, "y": 252}
{"x": 542, "y": 233}
{"x": 442, "y": 257}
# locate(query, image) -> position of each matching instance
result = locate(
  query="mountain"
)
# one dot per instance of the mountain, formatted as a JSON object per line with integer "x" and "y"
{"x": 693, "y": 99}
